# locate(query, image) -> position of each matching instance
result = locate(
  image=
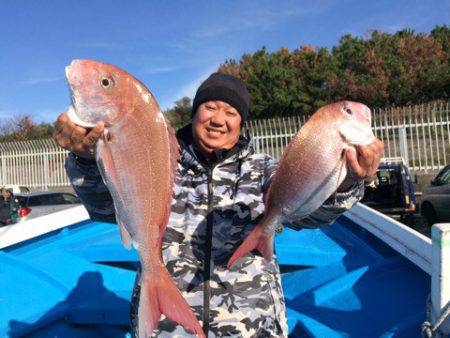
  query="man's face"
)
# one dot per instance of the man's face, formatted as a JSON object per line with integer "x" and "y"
{"x": 216, "y": 125}
{"x": 5, "y": 193}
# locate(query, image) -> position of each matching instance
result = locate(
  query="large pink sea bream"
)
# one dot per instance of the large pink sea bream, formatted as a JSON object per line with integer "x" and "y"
{"x": 137, "y": 157}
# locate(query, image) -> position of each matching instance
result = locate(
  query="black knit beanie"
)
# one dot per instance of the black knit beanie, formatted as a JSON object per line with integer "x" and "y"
{"x": 223, "y": 87}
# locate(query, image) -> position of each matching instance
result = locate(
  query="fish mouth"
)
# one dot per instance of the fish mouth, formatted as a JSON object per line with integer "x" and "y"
{"x": 72, "y": 111}
{"x": 70, "y": 71}
{"x": 355, "y": 135}
{"x": 73, "y": 116}
{"x": 67, "y": 70}
{"x": 368, "y": 114}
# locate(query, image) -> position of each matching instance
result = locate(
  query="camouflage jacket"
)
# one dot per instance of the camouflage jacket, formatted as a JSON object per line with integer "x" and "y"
{"x": 215, "y": 206}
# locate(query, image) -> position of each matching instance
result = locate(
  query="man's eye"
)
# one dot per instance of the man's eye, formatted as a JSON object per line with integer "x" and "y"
{"x": 230, "y": 113}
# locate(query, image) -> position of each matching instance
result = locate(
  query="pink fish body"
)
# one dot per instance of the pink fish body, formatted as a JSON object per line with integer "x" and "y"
{"x": 137, "y": 158}
{"x": 311, "y": 168}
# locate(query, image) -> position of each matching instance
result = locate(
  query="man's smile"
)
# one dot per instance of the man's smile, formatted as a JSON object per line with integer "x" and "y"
{"x": 213, "y": 131}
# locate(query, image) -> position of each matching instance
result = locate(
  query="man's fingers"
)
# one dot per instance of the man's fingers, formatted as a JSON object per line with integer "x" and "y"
{"x": 365, "y": 157}
{"x": 373, "y": 153}
{"x": 94, "y": 134}
{"x": 76, "y": 138}
{"x": 379, "y": 150}
{"x": 352, "y": 162}
{"x": 92, "y": 137}
{"x": 366, "y": 163}
{"x": 62, "y": 141}
{"x": 69, "y": 135}
{"x": 61, "y": 121}
{"x": 67, "y": 129}
{"x": 78, "y": 134}
{"x": 55, "y": 135}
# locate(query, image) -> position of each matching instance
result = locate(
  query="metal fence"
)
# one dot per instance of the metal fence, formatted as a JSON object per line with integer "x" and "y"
{"x": 420, "y": 134}
{"x": 35, "y": 164}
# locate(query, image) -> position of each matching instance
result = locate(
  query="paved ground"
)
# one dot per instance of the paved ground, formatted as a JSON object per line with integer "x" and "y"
{"x": 418, "y": 223}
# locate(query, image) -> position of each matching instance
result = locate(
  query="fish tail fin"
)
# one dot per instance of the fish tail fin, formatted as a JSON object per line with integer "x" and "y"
{"x": 159, "y": 295}
{"x": 255, "y": 240}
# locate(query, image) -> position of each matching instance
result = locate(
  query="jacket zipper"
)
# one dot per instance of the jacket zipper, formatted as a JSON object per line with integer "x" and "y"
{"x": 208, "y": 249}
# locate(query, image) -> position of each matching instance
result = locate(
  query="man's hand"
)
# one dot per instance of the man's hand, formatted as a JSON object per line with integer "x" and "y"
{"x": 363, "y": 164}
{"x": 75, "y": 138}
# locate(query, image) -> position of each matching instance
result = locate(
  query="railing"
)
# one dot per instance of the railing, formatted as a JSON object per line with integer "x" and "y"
{"x": 35, "y": 164}
{"x": 419, "y": 134}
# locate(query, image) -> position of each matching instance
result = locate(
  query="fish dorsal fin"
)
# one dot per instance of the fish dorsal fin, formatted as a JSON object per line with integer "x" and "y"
{"x": 280, "y": 161}
{"x": 174, "y": 148}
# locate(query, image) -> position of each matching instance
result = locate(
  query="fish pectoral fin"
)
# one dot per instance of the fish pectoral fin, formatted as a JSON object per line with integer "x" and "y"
{"x": 255, "y": 240}
{"x": 110, "y": 177}
{"x": 354, "y": 134}
{"x": 106, "y": 163}
{"x": 124, "y": 235}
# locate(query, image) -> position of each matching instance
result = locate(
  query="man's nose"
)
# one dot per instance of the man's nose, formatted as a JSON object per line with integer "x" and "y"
{"x": 219, "y": 117}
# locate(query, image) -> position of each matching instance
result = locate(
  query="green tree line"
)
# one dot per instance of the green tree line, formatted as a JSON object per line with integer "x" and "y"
{"x": 379, "y": 70}
{"x": 23, "y": 128}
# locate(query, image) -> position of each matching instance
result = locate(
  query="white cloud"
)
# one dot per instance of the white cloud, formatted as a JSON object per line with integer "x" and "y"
{"x": 4, "y": 115}
{"x": 167, "y": 44}
{"x": 39, "y": 80}
{"x": 260, "y": 18}
{"x": 189, "y": 88}
{"x": 102, "y": 45}
{"x": 159, "y": 70}
{"x": 47, "y": 115}
{"x": 38, "y": 115}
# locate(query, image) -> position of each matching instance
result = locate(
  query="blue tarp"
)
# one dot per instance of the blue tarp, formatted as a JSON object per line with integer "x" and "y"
{"x": 339, "y": 281}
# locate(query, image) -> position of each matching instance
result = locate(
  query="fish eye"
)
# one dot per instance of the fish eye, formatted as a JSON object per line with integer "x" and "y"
{"x": 346, "y": 111}
{"x": 106, "y": 83}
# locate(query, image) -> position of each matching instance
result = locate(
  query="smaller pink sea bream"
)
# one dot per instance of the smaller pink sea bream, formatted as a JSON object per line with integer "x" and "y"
{"x": 311, "y": 168}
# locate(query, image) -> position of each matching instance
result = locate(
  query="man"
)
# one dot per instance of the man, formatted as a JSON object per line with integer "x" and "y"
{"x": 9, "y": 207}
{"x": 218, "y": 199}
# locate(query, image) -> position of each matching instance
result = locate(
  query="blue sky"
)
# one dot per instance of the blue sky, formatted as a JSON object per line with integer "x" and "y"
{"x": 171, "y": 46}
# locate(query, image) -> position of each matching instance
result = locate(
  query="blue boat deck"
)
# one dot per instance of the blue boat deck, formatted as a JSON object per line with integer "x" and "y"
{"x": 339, "y": 281}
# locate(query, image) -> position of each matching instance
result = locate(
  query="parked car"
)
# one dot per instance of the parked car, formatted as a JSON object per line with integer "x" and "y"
{"x": 391, "y": 190}
{"x": 17, "y": 189}
{"x": 435, "y": 205}
{"x": 44, "y": 203}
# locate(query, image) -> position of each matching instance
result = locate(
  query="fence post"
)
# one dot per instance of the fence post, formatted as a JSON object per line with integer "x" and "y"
{"x": 3, "y": 170}
{"x": 440, "y": 278}
{"x": 46, "y": 171}
{"x": 403, "y": 144}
